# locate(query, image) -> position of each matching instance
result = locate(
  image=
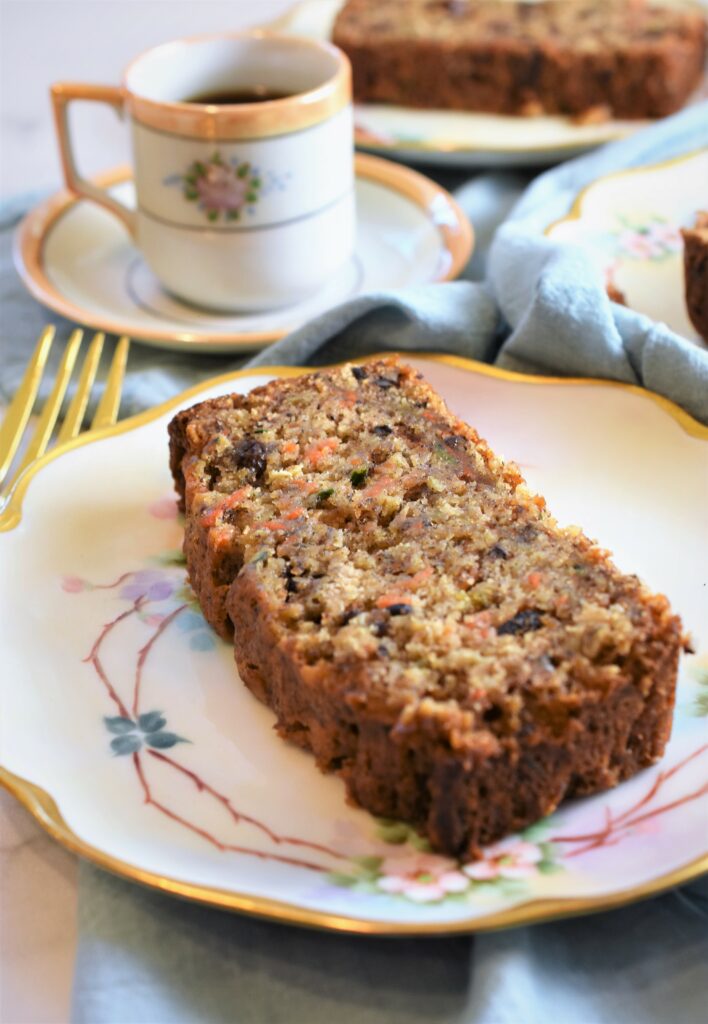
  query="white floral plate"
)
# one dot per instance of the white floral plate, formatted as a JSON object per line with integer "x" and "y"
{"x": 458, "y": 138}
{"x": 127, "y": 733}
{"x": 77, "y": 259}
{"x": 630, "y": 222}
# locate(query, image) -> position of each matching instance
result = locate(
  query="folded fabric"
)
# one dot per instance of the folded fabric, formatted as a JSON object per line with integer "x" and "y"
{"x": 556, "y": 317}
{"x": 146, "y": 958}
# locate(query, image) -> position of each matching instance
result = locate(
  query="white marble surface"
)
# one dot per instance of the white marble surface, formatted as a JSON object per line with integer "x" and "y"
{"x": 42, "y": 41}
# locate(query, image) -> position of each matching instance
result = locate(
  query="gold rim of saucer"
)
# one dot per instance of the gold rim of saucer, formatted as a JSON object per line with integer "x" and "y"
{"x": 452, "y": 224}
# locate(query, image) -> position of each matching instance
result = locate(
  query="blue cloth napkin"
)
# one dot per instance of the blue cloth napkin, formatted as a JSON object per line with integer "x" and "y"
{"x": 543, "y": 306}
{"x": 144, "y": 958}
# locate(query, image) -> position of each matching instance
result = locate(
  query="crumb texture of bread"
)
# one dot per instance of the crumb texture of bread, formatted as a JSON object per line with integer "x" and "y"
{"x": 629, "y": 58}
{"x": 412, "y": 614}
{"x": 695, "y": 266}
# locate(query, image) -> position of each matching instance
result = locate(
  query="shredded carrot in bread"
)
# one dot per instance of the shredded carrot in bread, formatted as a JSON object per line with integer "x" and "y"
{"x": 318, "y": 449}
{"x": 229, "y": 502}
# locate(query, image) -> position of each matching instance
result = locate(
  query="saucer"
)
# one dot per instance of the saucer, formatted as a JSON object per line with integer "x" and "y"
{"x": 77, "y": 259}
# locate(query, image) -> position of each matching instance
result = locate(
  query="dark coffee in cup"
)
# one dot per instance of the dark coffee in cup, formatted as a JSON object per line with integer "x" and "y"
{"x": 229, "y": 97}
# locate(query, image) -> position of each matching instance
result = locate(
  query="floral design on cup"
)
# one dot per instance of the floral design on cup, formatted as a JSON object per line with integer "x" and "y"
{"x": 221, "y": 188}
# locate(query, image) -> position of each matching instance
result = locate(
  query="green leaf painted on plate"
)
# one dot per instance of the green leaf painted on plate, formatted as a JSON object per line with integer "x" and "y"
{"x": 122, "y": 745}
{"x": 175, "y": 556}
{"x": 533, "y": 833}
{"x": 339, "y": 878}
{"x": 419, "y": 842}
{"x": 369, "y": 864}
{"x": 164, "y": 740}
{"x": 701, "y": 704}
{"x": 549, "y": 867}
{"x": 119, "y": 724}
{"x": 152, "y": 721}
{"x": 395, "y": 832}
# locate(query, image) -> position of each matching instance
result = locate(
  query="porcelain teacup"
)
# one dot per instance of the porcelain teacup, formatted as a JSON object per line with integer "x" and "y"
{"x": 239, "y": 205}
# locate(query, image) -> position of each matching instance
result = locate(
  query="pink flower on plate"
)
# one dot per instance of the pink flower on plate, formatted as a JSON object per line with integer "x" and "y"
{"x": 163, "y": 508}
{"x": 220, "y": 189}
{"x": 512, "y": 858}
{"x": 422, "y": 878}
{"x": 639, "y": 245}
{"x": 72, "y": 584}
{"x": 650, "y": 243}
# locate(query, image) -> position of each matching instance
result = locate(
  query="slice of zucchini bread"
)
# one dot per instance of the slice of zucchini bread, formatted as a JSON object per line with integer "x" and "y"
{"x": 695, "y": 267}
{"x": 411, "y": 613}
{"x": 628, "y": 58}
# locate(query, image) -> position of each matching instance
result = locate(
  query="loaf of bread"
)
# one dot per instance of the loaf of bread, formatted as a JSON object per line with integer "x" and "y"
{"x": 412, "y": 614}
{"x": 623, "y": 58}
{"x": 695, "y": 265}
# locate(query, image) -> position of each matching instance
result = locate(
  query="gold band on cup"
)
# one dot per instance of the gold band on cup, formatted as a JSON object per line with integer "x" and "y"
{"x": 249, "y": 120}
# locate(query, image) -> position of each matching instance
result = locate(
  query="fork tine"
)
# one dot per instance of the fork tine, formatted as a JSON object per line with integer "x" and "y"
{"x": 107, "y": 412}
{"x": 21, "y": 405}
{"x": 48, "y": 417}
{"x": 75, "y": 414}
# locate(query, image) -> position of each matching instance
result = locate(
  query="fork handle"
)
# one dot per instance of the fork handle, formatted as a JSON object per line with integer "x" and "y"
{"x": 64, "y": 93}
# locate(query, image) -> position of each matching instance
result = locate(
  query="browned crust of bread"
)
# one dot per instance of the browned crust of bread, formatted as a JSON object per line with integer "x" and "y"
{"x": 695, "y": 259}
{"x": 502, "y": 58}
{"x": 461, "y": 785}
{"x": 459, "y": 798}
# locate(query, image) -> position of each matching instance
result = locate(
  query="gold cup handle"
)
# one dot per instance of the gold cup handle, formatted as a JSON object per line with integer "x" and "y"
{"x": 63, "y": 93}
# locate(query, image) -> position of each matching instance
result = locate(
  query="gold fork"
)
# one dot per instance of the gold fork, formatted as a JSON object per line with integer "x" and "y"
{"x": 20, "y": 408}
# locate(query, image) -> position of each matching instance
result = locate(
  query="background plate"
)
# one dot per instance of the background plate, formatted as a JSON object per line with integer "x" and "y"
{"x": 630, "y": 222}
{"x": 126, "y": 733}
{"x": 457, "y": 138}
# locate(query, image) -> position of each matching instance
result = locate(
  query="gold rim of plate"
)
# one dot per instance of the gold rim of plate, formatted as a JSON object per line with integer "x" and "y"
{"x": 45, "y": 810}
{"x": 363, "y": 138}
{"x": 576, "y": 210}
{"x": 456, "y": 234}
